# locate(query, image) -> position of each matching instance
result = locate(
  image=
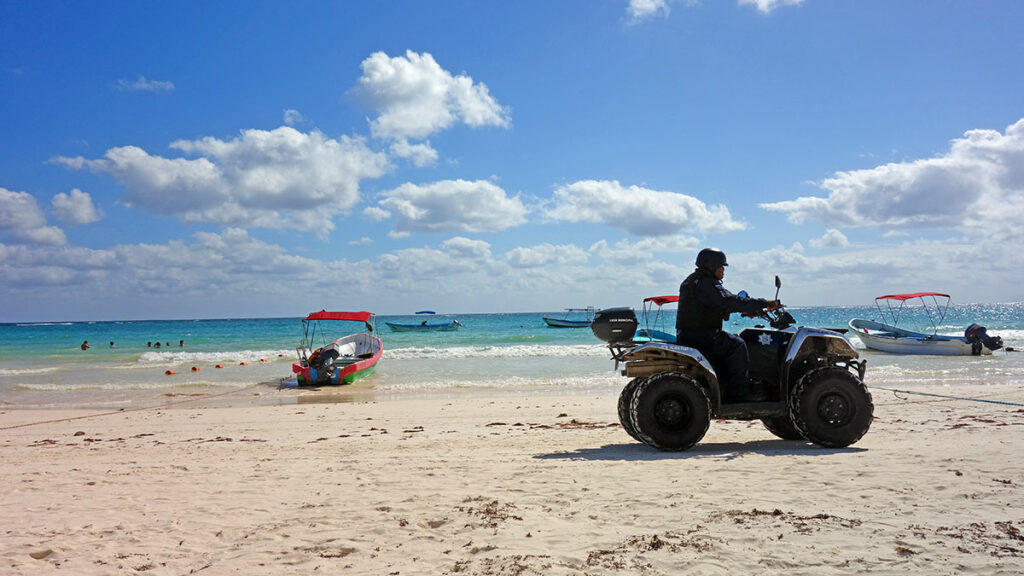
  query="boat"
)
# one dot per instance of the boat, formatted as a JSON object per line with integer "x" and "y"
{"x": 897, "y": 340}
{"x": 566, "y": 322}
{"x": 344, "y": 360}
{"x": 655, "y": 320}
{"x": 425, "y": 326}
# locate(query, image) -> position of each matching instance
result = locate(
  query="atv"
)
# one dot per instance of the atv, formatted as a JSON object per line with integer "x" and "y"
{"x": 813, "y": 377}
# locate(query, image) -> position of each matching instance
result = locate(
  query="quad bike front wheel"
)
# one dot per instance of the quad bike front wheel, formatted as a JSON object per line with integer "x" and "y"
{"x": 782, "y": 426}
{"x": 831, "y": 407}
{"x": 670, "y": 411}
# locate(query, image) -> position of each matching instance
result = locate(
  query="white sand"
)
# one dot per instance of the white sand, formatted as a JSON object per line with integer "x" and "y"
{"x": 507, "y": 485}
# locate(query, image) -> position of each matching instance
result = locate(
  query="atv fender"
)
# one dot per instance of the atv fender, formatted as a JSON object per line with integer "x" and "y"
{"x": 658, "y": 357}
{"x": 820, "y": 343}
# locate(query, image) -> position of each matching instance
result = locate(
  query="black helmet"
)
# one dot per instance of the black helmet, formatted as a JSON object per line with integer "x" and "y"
{"x": 711, "y": 259}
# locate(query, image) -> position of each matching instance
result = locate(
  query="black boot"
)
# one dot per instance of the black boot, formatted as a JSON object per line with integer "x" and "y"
{"x": 754, "y": 391}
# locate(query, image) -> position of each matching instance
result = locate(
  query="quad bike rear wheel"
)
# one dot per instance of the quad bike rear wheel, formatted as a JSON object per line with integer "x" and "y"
{"x": 670, "y": 411}
{"x": 625, "y": 399}
{"x": 831, "y": 407}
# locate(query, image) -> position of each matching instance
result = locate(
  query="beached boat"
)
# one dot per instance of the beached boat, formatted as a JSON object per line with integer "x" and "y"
{"x": 655, "y": 326}
{"x": 896, "y": 340}
{"x": 344, "y": 360}
{"x": 425, "y": 326}
{"x": 566, "y": 322}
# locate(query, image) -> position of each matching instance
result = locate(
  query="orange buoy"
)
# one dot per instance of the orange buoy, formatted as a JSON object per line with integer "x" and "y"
{"x": 219, "y": 366}
{"x": 243, "y": 363}
{"x": 263, "y": 359}
{"x": 195, "y": 368}
{"x": 169, "y": 372}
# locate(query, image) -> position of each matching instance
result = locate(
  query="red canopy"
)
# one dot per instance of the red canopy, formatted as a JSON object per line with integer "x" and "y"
{"x": 909, "y": 296}
{"x": 662, "y": 300}
{"x": 354, "y": 316}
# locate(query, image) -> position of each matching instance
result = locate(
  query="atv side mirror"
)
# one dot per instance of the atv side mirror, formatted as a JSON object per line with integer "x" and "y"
{"x": 778, "y": 282}
{"x": 743, "y": 294}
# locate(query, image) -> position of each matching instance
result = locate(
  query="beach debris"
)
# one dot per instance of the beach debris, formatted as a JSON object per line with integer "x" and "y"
{"x": 40, "y": 554}
{"x": 79, "y": 433}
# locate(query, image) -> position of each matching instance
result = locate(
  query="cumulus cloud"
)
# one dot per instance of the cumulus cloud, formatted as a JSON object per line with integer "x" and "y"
{"x": 142, "y": 84}
{"x": 420, "y": 155}
{"x": 75, "y": 208}
{"x": 831, "y": 239}
{"x": 415, "y": 97}
{"x": 639, "y": 211}
{"x": 976, "y": 187}
{"x": 546, "y": 255}
{"x": 450, "y": 206}
{"x": 271, "y": 179}
{"x": 22, "y": 221}
{"x": 766, "y": 6}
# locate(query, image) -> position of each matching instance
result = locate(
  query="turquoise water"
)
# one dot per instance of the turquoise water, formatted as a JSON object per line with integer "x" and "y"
{"x": 42, "y": 364}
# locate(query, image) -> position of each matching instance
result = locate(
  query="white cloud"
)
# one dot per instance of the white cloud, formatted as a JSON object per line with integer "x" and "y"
{"x": 142, "y": 84}
{"x": 271, "y": 179}
{"x": 831, "y": 239}
{"x": 293, "y": 117}
{"x": 642, "y": 9}
{"x": 766, "y": 6}
{"x": 364, "y": 241}
{"x": 419, "y": 154}
{"x": 415, "y": 97}
{"x": 639, "y": 211}
{"x": 976, "y": 187}
{"x": 22, "y": 221}
{"x": 450, "y": 206}
{"x": 545, "y": 255}
{"x": 75, "y": 208}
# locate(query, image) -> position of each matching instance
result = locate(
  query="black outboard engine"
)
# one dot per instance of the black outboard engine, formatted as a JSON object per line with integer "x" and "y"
{"x": 977, "y": 336}
{"x": 615, "y": 325}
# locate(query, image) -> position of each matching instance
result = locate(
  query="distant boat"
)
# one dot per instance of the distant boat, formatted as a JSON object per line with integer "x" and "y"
{"x": 425, "y": 326}
{"x": 566, "y": 322}
{"x": 344, "y": 360}
{"x": 655, "y": 320}
{"x": 893, "y": 339}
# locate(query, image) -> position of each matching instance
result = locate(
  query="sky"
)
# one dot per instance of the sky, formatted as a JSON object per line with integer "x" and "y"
{"x": 268, "y": 159}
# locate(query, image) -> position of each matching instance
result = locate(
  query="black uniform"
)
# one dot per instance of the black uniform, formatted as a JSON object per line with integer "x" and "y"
{"x": 703, "y": 304}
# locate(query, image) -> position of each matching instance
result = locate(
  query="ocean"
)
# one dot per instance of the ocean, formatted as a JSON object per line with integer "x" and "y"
{"x": 43, "y": 366}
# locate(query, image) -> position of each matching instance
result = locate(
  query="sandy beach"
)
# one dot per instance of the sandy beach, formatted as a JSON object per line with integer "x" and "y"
{"x": 516, "y": 485}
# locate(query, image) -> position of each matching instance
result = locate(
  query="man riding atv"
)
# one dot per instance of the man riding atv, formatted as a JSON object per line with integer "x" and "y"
{"x": 703, "y": 304}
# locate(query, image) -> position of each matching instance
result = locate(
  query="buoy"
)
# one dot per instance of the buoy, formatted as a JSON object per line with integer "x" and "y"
{"x": 169, "y": 372}
{"x": 263, "y": 359}
{"x": 219, "y": 366}
{"x": 243, "y": 363}
{"x": 195, "y": 368}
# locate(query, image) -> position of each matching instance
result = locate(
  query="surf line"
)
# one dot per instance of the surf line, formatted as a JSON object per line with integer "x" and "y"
{"x": 127, "y": 410}
{"x": 894, "y": 390}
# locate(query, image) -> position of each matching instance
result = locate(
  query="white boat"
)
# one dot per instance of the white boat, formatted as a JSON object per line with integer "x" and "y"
{"x": 566, "y": 322}
{"x": 893, "y": 339}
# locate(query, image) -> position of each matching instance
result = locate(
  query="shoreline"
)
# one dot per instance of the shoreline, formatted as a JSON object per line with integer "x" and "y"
{"x": 519, "y": 484}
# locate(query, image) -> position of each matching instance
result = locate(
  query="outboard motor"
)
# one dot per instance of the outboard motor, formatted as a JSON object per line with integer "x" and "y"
{"x": 615, "y": 325}
{"x": 977, "y": 336}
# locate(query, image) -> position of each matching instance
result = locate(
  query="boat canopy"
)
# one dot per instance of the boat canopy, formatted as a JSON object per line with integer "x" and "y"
{"x": 426, "y": 312}
{"x": 936, "y": 313}
{"x": 662, "y": 300}
{"x": 353, "y": 316}
{"x": 903, "y": 297}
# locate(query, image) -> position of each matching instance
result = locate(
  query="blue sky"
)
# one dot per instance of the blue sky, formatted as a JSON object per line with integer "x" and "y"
{"x": 241, "y": 159}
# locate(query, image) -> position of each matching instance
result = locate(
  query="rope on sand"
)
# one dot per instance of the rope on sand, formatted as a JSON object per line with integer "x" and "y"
{"x": 126, "y": 410}
{"x": 895, "y": 391}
